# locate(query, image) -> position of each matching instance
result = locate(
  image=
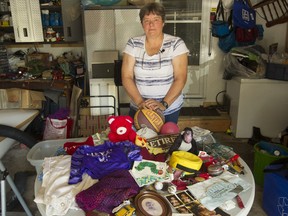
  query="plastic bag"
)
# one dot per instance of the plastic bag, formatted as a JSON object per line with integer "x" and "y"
{"x": 57, "y": 129}
{"x": 244, "y": 62}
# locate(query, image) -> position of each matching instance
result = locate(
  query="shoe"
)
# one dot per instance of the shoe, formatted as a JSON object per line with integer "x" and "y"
{"x": 257, "y": 137}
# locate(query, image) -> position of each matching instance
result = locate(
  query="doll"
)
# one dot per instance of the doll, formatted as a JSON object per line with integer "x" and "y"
{"x": 184, "y": 142}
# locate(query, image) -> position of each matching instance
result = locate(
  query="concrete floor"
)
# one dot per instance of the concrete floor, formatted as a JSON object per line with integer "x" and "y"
{"x": 15, "y": 161}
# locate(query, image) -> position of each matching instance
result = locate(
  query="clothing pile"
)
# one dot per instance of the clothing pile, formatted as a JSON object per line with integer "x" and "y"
{"x": 80, "y": 175}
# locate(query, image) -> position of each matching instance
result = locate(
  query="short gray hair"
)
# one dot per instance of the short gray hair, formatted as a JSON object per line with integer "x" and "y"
{"x": 154, "y": 8}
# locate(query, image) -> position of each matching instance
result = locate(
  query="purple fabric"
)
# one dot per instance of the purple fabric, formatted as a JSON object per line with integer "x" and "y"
{"x": 108, "y": 193}
{"x": 62, "y": 113}
{"x": 99, "y": 161}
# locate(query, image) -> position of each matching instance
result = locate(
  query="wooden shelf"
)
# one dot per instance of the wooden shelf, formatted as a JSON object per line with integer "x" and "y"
{"x": 5, "y": 13}
{"x": 40, "y": 44}
{"x": 53, "y": 27}
{"x": 51, "y": 8}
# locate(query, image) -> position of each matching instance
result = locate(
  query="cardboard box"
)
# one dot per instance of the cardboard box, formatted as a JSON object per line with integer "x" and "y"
{"x": 31, "y": 99}
{"x": 26, "y": 99}
{"x": 4, "y": 103}
{"x": 41, "y": 57}
{"x": 14, "y": 95}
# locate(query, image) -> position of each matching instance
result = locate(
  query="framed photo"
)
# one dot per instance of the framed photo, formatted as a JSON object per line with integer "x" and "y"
{"x": 183, "y": 209}
{"x": 150, "y": 203}
{"x": 184, "y": 197}
{"x": 174, "y": 201}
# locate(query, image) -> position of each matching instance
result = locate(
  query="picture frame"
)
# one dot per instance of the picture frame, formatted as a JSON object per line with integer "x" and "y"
{"x": 151, "y": 203}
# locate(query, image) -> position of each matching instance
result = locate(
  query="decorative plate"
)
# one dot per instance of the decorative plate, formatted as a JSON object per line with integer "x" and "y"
{"x": 150, "y": 203}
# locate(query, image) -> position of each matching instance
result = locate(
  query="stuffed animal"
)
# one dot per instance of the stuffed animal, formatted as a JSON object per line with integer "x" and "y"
{"x": 184, "y": 142}
{"x": 121, "y": 129}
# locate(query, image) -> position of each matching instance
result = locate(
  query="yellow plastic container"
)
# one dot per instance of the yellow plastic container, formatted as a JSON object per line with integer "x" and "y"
{"x": 185, "y": 161}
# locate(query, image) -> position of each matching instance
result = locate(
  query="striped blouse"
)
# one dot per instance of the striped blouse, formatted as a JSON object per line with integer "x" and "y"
{"x": 154, "y": 74}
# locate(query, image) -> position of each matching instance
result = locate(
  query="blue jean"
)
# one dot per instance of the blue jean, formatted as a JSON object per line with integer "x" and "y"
{"x": 173, "y": 117}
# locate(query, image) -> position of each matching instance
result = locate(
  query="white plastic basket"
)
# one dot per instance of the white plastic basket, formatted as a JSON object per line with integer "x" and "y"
{"x": 44, "y": 149}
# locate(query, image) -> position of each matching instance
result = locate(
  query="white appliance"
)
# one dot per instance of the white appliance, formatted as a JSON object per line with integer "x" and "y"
{"x": 102, "y": 82}
{"x": 262, "y": 103}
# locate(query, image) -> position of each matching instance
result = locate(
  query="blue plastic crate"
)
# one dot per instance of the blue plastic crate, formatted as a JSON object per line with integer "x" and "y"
{"x": 275, "y": 193}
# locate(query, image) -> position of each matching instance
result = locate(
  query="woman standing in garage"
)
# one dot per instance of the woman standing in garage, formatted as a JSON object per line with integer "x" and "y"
{"x": 154, "y": 68}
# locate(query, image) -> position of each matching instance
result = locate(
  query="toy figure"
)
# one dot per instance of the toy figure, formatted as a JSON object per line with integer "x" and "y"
{"x": 121, "y": 129}
{"x": 184, "y": 142}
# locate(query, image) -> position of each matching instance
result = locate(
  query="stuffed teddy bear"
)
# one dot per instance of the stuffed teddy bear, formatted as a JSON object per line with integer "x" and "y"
{"x": 121, "y": 129}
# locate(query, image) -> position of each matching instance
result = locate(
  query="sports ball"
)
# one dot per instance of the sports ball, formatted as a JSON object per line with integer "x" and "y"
{"x": 158, "y": 185}
{"x": 149, "y": 118}
{"x": 170, "y": 128}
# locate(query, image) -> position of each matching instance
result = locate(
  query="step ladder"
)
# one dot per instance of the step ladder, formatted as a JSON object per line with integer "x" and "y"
{"x": 274, "y": 11}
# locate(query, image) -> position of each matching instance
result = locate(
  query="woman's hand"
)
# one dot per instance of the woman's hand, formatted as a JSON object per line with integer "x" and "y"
{"x": 154, "y": 105}
{"x": 142, "y": 105}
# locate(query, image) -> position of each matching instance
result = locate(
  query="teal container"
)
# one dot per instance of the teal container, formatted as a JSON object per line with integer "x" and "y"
{"x": 266, "y": 153}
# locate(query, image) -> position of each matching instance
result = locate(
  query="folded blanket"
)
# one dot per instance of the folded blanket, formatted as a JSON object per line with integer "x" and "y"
{"x": 108, "y": 193}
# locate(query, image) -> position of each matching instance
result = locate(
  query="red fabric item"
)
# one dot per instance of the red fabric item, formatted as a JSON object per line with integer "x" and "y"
{"x": 234, "y": 158}
{"x": 246, "y": 35}
{"x": 147, "y": 156}
{"x": 71, "y": 147}
{"x": 180, "y": 185}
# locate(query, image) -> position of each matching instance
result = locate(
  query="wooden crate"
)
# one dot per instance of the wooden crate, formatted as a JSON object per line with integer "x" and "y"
{"x": 213, "y": 123}
{"x": 89, "y": 125}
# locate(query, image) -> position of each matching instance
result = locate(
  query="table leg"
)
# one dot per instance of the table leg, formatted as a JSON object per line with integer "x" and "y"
{"x": 7, "y": 177}
{"x": 3, "y": 195}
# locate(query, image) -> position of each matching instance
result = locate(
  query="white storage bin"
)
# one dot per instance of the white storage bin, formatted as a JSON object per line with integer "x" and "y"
{"x": 46, "y": 148}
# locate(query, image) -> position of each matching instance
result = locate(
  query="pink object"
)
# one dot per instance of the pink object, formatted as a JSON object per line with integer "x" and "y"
{"x": 169, "y": 128}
